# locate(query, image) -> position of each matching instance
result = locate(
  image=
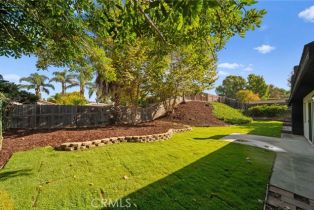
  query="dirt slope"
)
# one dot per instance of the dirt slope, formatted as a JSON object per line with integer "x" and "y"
{"x": 194, "y": 113}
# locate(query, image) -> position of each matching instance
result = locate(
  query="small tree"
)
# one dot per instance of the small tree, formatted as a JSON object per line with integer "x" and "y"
{"x": 247, "y": 96}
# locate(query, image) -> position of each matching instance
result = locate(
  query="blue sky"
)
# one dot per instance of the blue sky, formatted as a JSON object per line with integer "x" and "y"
{"x": 271, "y": 50}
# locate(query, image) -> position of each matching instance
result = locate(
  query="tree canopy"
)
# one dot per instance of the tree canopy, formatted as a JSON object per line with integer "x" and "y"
{"x": 257, "y": 84}
{"x": 138, "y": 49}
{"x": 231, "y": 85}
{"x": 254, "y": 88}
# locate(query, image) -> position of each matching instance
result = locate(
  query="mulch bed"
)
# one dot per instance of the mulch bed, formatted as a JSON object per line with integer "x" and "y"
{"x": 195, "y": 113}
{"x": 22, "y": 140}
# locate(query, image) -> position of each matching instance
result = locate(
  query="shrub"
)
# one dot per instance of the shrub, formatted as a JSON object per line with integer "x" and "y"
{"x": 273, "y": 110}
{"x": 73, "y": 98}
{"x": 229, "y": 114}
{"x": 247, "y": 96}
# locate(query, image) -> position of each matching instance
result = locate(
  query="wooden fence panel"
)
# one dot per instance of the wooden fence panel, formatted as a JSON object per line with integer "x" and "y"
{"x": 34, "y": 116}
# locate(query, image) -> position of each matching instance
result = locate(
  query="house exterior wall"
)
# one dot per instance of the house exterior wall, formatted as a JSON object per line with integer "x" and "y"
{"x": 307, "y": 116}
{"x": 297, "y": 117}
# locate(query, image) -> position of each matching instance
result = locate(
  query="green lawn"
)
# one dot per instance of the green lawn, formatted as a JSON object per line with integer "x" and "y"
{"x": 229, "y": 114}
{"x": 192, "y": 170}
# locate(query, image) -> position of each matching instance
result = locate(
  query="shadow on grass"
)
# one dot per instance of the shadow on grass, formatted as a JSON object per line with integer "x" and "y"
{"x": 224, "y": 179}
{"x": 216, "y": 137}
{"x": 10, "y": 174}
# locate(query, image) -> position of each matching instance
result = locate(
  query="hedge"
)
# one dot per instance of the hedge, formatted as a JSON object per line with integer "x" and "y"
{"x": 273, "y": 110}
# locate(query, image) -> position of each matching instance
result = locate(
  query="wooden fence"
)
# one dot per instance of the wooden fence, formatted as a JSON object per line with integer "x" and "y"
{"x": 202, "y": 97}
{"x": 34, "y": 116}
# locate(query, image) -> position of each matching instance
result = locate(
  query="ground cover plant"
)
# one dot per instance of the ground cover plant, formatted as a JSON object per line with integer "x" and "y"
{"x": 229, "y": 114}
{"x": 191, "y": 170}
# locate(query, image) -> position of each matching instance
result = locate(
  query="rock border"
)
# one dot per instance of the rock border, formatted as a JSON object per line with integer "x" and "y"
{"x": 72, "y": 146}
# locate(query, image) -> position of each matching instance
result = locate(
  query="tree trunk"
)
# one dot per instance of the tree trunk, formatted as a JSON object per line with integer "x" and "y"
{"x": 117, "y": 109}
{"x": 82, "y": 89}
{"x": 63, "y": 88}
{"x": 37, "y": 92}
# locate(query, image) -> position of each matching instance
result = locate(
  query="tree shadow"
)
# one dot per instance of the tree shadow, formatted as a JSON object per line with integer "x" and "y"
{"x": 16, "y": 173}
{"x": 216, "y": 137}
{"x": 224, "y": 179}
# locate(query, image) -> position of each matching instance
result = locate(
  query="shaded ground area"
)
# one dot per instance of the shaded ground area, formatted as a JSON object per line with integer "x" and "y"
{"x": 21, "y": 140}
{"x": 195, "y": 113}
{"x": 192, "y": 170}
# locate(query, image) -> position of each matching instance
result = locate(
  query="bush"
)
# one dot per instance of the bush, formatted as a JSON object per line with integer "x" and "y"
{"x": 247, "y": 96}
{"x": 73, "y": 98}
{"x": 229, "y": 114}
{"x": 273, "y": 110}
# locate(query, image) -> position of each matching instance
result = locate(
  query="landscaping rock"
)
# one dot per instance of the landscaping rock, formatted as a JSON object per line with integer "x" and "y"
{"x": 113, "y": 140}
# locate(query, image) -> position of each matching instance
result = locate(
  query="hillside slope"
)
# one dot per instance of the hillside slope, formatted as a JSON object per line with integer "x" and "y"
{"x": 195, "y": 113}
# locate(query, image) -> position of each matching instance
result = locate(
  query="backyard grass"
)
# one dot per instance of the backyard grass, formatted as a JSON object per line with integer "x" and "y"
{"x": 192, "y": 170}
{"x": 229, "y": 114}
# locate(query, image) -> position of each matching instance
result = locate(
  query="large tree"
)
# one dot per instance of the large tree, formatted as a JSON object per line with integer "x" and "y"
{"x": 231, "y": 85}
{"x": 28, "y": 26}
{"x": 257, "y": 84}
{"x": 39, "y": 83}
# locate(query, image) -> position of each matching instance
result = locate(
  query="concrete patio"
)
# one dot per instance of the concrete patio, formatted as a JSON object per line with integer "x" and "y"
{"x": 292, "y": 180}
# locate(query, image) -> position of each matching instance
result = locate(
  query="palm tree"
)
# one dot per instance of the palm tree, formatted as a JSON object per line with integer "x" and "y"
{"x": 40, "y": 83}
{"x": 83, "y": 79}
{"x": 67, "y": 80}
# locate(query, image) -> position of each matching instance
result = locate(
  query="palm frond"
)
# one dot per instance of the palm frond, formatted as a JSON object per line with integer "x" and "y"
{"x": 46, "y": 90}
{"x": 48, "y": 86}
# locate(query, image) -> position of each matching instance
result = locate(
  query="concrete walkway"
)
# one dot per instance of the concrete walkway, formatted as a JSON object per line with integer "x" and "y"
{"x": 293, "y": 170}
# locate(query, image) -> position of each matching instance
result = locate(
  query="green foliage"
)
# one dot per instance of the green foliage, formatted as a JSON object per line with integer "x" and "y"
{"x": 29, "y": 26}
{"x": 191, "y": 165}
{"x": 231, "y": 85}
{"x": 38, "y": 83}
{"x": 245, "y": 96}
{"x": 277, "y": 93}
{"x": 107, "y": 35}
{"x": 229, "y": 114}
{"x": 257, "y": 84}
{"x": 273, "y": 110}
{"x": 74, "y": 98}
{"x": 11, "y": 92}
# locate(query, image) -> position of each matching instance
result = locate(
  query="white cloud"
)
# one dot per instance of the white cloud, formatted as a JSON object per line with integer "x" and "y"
{"x": 249, "y": 68}
{"x": 11, "y": 77}
{"x": 264, "y": 49}
{"x": 307, "y": 14}
{"x": 223, "y": 73}
{"x": 229, "y": 65}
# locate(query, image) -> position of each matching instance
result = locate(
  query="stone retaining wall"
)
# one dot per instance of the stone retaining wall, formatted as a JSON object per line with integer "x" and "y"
{"x": 71, "y": 146}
